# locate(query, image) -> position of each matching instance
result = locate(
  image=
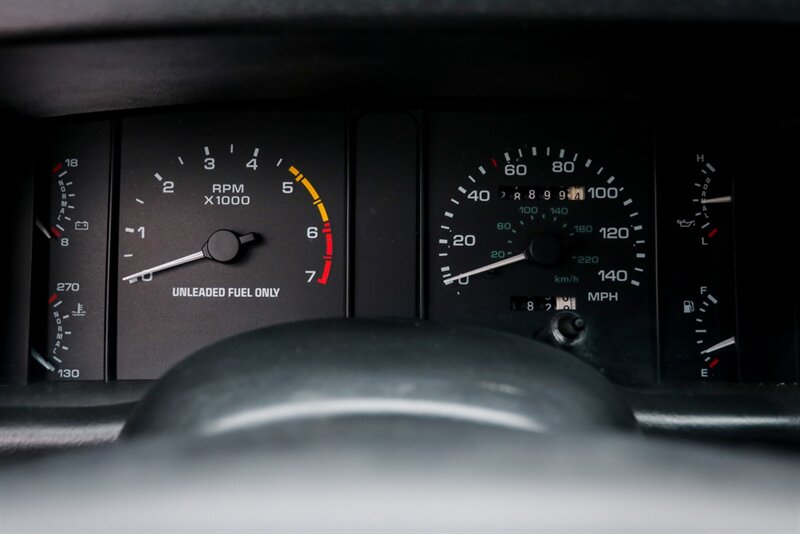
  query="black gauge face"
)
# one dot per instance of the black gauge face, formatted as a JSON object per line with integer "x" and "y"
{"x": 544, "y": 234}
{"x": 225, "y": 227}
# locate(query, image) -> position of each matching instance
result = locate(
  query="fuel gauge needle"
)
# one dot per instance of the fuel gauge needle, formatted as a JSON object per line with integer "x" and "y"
{"x": 721, "y": 345}
{"x": 223, "y": 246}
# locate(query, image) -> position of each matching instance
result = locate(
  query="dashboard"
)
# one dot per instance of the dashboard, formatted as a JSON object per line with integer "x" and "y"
{"x": 625, "y": 237}
{"x": 617, "y": 182}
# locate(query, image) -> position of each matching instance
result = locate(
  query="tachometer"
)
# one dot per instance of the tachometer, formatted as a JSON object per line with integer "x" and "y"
{"x": 225, "y": 226}
{"x": 546, "y": 239}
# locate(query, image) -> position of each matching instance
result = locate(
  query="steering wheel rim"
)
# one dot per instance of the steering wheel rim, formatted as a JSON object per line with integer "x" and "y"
{"x": 325, "y": 369}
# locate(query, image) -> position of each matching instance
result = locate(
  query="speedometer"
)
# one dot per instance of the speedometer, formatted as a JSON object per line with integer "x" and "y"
{"x": 547, "y": 236}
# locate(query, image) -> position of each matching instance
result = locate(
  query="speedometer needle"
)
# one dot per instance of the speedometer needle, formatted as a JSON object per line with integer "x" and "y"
{"x": 492, "y": 266}
{"x": 544, "y": 250}
{"x": 223, "y": 246}
{"x": 721, "y": 345}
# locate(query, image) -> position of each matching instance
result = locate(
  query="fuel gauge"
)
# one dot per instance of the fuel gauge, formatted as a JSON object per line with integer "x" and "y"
{"x": 709, "y": 337}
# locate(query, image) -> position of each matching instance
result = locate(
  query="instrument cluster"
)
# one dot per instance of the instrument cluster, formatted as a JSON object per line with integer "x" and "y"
{"x": 616, "y": 236}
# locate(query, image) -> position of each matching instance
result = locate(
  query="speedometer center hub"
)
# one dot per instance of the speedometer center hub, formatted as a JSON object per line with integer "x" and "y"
{"x": 544, "y": 249}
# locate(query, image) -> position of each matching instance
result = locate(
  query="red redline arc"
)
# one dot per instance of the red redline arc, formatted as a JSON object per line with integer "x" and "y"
{"x": 326, "y": 225}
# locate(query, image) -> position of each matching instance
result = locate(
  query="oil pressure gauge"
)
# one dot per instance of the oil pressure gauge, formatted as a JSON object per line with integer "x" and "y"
{"x": 706, "y": 203}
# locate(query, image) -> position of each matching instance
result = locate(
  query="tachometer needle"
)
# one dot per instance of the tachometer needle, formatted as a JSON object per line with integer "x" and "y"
{"x": 168, "y": 265}
{"x": 492, "y": 266}
{"x": 721, "y": 345}
{"x": 223, "y": 246}
{"x": 717, "y": 200}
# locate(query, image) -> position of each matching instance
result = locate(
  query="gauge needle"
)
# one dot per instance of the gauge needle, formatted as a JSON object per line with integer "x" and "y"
{"x": 223, "y": 246}
{"x": 43, "y": 229}
{"x": 168, "y": 265}
{"x": 721, "y": 345}
{"x": 492, "y": 266}
{"x": 717, "y": 200}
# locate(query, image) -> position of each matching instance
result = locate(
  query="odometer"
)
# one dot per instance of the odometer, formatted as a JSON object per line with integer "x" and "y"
{"x": 543, "y": 238}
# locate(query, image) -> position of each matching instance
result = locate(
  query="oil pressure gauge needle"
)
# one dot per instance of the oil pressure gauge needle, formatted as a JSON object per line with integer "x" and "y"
{"x": 727, "y": 199}
{"x": 223, "y": 246}
{"x": 721, "y": 345}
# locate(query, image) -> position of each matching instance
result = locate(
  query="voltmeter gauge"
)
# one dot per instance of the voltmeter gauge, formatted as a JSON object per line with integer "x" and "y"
{"x": 226, "y": 223}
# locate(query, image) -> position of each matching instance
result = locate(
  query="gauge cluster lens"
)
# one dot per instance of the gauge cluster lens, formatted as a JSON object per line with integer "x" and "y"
{"x": 226, "y": 223}
{"x": 545, "y": 228}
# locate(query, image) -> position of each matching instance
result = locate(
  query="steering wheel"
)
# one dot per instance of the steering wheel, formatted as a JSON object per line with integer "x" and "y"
{"x": 389, "y": 425}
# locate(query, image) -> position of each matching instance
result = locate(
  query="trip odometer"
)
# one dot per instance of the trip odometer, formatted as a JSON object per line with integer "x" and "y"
{"x": 548, "y": 241}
